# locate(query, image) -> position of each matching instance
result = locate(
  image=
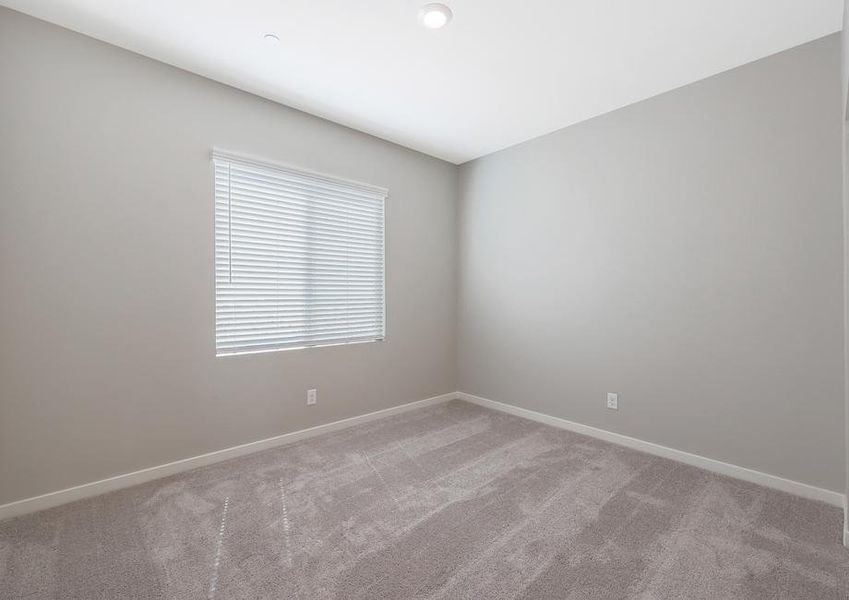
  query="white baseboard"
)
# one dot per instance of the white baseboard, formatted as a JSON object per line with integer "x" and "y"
{"x": 846, "y": 537}
{"x": 96, "y": 488}
{"x": 772, "y": 481}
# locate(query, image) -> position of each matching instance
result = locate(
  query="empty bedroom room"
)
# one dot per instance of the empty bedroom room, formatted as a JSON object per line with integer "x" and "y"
{"x": 404, "y": 300}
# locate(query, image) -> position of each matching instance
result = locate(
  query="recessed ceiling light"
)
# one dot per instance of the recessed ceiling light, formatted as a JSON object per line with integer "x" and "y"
{"x": 434, "y": 15}
{"x": 271, "y": 39}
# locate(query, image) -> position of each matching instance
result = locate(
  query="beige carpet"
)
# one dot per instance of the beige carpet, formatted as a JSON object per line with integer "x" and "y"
{"x": 451, "y": 501}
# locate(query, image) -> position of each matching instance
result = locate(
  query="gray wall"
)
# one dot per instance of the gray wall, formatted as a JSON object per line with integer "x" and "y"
{"x": 844, "y": 63}
{"x": 685, "y": 252}
{"x": 107, "y": 357}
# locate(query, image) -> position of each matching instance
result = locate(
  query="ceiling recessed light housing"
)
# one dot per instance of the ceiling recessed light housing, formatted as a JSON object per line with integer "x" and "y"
{"x": 271, "y": 39}
{"x": 435, "y": 15}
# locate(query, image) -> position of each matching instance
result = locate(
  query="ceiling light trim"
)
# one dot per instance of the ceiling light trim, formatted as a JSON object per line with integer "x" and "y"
{"x": 435, "y": 15}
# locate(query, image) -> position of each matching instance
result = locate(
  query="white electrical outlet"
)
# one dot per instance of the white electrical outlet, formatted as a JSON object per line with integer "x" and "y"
{"x": 311, "y": 397}
{"x": 612, "y": 401}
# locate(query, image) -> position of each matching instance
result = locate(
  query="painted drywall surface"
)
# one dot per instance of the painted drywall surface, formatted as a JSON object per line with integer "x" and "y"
{"x": 107, "y": 358}
{"x": 846, "y": 312}
{"x": 844, "y": 64}
{"x": 685, "y": 252}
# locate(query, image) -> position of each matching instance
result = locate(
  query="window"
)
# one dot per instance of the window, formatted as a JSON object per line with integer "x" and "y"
{"x": 299, "y": 258}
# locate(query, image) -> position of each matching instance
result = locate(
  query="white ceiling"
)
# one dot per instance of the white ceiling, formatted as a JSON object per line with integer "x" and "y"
{"x": 503, "y": 71}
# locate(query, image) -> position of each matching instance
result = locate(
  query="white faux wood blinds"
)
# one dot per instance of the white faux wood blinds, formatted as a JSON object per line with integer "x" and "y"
{"x": 298, "y": 258}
